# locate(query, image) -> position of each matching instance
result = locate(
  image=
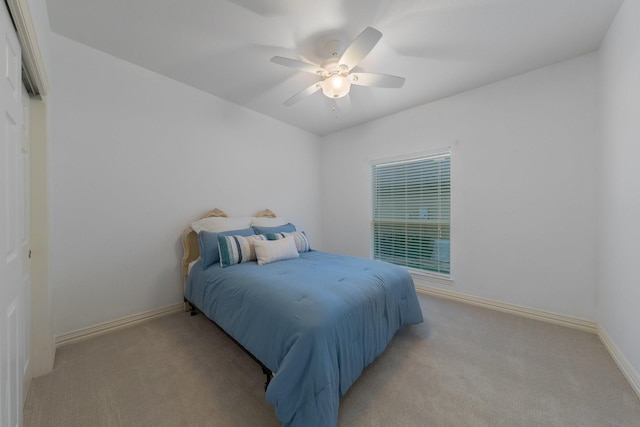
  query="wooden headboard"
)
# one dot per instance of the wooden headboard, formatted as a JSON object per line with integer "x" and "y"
{"x": 190, "y": 248}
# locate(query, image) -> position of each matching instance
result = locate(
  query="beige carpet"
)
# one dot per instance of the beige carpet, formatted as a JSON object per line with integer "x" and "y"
{"x": 465, "y": 366}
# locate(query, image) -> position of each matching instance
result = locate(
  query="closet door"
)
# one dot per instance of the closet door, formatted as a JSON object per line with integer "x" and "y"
{"x": 25, "y": 242}
{"x": 12, "y": 226}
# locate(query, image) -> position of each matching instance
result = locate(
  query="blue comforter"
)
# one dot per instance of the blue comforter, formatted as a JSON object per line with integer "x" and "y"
{"x": 315, "y": 321}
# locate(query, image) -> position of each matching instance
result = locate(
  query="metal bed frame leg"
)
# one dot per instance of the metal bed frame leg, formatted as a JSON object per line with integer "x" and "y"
{"x": 193, "y": 309}
{"x": 269, "y": 375}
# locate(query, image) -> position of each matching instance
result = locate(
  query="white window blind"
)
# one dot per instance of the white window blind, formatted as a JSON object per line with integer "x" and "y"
{"x": 411, "y": 212}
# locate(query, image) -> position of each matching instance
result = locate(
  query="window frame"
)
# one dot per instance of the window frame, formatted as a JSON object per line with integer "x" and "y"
{"x": 438, "y": 277}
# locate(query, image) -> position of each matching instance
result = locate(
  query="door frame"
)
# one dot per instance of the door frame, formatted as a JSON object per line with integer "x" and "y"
{"x": 31, "y": 53}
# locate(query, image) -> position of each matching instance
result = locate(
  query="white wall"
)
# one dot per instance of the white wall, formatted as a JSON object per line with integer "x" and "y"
{"x": 619, "y": 198}
{"x": 136, "y": 157}
{"x": 523, "y": 204}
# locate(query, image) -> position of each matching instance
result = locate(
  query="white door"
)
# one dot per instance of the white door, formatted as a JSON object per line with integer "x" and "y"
{"x": 25, "y": 156}
{"x": 12, "y": 227}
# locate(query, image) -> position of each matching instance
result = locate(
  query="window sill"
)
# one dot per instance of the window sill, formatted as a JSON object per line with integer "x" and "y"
{"x": 425, "y": 276}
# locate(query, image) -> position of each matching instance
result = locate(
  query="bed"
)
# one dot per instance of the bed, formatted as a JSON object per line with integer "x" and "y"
{"x": 315, "y": 319}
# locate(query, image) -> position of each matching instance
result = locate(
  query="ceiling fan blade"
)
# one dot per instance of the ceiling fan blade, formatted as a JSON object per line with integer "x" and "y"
{"x": 298, "y": 65}
{"x": 360, "y": 47}
{"x": 303, "y": 93}
{"x": 377, "y": 80}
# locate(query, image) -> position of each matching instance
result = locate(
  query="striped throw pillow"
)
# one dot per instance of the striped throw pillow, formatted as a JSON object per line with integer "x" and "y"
{"x": 237, "y": 249}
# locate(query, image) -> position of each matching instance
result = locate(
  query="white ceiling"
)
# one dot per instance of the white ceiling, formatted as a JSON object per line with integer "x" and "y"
{"x": 442, "y": 47}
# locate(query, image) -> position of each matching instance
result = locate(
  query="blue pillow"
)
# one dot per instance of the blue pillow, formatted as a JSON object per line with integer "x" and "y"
{"x": 208, "y": 243}
{"x": 287, "y": 228}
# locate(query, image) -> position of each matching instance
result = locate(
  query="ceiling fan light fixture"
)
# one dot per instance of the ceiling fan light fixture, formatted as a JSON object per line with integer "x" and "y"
{"x": 335, "y": 72}
{"x": 336, "y": 86}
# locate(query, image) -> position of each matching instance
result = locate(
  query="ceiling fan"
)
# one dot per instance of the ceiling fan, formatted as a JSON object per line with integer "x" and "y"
{"x": 335, "y": 72}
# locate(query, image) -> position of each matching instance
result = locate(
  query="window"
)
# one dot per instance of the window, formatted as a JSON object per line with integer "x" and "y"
{"x": 411, "y": 212}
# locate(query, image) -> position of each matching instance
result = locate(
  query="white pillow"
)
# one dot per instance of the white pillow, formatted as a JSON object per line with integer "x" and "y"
{"x": 217, "y": 224}
{"x": 275, "y": 250}
{"x": 257, "y": 221}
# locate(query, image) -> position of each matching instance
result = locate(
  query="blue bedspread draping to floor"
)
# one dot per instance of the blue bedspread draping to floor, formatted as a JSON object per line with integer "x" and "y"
{"x": 315, "y": 321}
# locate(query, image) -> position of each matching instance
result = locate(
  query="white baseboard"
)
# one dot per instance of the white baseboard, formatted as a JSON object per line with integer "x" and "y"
{"x": 625, "y": 367}
{"x": 621, "y": 361}
{"x": 545, "y": 316}
{"x": 114, "y": 325}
